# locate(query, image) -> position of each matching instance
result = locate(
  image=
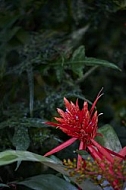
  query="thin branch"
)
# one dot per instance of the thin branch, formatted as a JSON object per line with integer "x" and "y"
{"x": 86, "y": 74}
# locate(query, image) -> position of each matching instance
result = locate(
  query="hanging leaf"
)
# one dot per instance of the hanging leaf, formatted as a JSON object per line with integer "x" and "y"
{"x": 89, "y": 61}
{"x": 10, "y": 156}
{"x": 110, "y": 139}
{"x": 47, "y": 181}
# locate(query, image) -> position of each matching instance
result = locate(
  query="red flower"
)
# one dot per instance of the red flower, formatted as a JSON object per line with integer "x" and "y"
{"x": 80, "y": 125}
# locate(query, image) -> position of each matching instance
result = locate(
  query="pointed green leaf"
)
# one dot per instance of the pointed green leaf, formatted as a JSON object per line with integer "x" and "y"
{"x": 47, "y": 182}
{"x": 77, "y": 60}
{"x": 10, "y": 156}
{"x": 79, "y": 54}
{"x": 89, "y": 61}
{"x": 110, "y": 139}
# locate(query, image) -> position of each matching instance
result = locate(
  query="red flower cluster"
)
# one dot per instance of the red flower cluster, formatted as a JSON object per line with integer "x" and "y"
{"x": 81, "y": 125}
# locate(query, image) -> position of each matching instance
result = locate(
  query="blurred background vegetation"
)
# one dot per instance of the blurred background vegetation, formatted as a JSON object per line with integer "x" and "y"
{"x": 38, "y": 41}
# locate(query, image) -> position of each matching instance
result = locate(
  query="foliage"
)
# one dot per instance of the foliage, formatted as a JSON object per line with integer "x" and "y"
{"x": 69, "y": 48}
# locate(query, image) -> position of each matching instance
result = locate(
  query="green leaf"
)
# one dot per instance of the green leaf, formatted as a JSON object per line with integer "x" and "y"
{"x": 76, "y": 62}
{"x": 21, "y": 138}
{"x": 7, "y": 158}
{"x": 47, "y": 182}
{"x": 89, "y": 61}
{"x": 110, "y": 139}
{"x": 79, "y": 54}
{"x": 10, "y": 156}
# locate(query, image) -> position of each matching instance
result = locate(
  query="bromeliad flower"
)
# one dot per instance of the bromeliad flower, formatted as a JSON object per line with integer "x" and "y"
{"x": 80, "y": 125}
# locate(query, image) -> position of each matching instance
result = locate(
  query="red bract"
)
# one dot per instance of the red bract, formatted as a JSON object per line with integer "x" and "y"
{"x": 80, "y": 125}
{"x": 100, "y": 171}
{"x": 114, "y": 172}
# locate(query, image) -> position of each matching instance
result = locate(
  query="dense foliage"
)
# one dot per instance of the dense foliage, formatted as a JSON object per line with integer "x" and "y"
{"x": 68, "y": 48}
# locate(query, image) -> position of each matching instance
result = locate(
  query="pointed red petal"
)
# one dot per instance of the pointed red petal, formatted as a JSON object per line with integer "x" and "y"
{"x": 61, "y": 120}
{"x": 123, "y": 152}
{"x": 94, "y": 153}
{"x": 102, "y": 150}
{"x": 120, "y": 155}
{"x": 52, "y": 124}
{"x": 100, "y": 158}
{"x": 67, "y": 104}
{"x": 95, "y": 102}
{"x": 85, "y": 107}
{"x": 61, "y": 146}
{"x": 77, "y": 104}
{"x": 61, "y": 112}
{"x": 79, "y": 158}
{"x": 71, "y": 108}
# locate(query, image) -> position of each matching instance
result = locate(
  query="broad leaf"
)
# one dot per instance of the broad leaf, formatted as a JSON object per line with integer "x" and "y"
{"x": 110, "y": 139}
{"x": 47, "y": 182}
{"x": 10, "y": 156}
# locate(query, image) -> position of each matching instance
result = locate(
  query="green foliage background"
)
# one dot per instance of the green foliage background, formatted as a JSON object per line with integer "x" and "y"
{"x": 46, "y": 52}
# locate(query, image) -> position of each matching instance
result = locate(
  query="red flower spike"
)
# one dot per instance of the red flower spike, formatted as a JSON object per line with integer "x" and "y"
{"x": 81, "y": 125}
{"x": 78, "y": 124}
